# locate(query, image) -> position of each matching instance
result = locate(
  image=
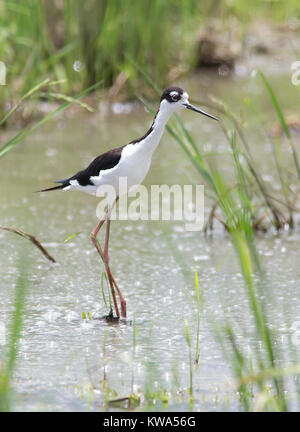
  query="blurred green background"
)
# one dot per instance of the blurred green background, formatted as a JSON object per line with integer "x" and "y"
{"x": 83, "y": 42}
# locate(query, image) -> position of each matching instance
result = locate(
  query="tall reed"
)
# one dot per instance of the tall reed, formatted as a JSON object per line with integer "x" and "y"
{"x": 81, "y": 42}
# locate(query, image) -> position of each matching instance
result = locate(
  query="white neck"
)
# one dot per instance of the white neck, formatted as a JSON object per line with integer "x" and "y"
{"x": 151, "y": 141}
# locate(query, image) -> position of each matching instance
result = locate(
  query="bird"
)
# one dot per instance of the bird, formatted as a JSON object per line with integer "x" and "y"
{"x": 131, "y": 161}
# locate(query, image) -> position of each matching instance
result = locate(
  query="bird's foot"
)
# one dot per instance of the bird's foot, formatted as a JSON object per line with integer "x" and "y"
{"x": 110, "y": 317}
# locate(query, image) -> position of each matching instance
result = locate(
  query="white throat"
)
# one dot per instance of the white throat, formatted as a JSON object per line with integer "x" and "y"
{"x": 151, "y": 141}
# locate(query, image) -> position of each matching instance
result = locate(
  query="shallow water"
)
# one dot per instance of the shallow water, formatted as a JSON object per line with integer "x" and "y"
{"x": 64, "y": 359}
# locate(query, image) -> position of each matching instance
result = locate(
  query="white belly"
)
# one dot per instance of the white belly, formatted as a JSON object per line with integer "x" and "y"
{"x": 133, "y": 165}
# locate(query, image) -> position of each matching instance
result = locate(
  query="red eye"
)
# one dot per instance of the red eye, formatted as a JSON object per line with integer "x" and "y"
{"x": 175, "y": 97}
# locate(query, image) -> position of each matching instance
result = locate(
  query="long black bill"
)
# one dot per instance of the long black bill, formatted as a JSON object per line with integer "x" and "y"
{"x": 191, "y": 107}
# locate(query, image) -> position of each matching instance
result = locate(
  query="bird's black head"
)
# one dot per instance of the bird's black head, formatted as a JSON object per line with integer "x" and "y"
{"x": 172, "y": 94}
{"x": 174, "y": 99}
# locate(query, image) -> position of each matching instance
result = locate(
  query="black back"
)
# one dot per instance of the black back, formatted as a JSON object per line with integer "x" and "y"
{"x": 103, "y": 162}
{"x": 111, "y": 158}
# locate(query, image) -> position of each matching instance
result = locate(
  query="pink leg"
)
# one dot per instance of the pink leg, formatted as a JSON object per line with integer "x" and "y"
{"x": 110, "y": 275}
{"x": 93, "y": 236}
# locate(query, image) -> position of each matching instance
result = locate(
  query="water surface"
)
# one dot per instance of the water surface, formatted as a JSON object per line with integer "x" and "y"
{"x": 63, "y": 359}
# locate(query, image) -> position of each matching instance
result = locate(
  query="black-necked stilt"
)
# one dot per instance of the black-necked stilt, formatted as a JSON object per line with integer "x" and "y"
{"x": 131, "y": 161}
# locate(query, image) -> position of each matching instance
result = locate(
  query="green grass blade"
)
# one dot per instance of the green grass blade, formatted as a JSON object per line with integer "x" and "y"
{"x": 27, "y": 131}
{"x": 15, "y": 331}
{"x": 26, "y": 96}
{"x": 281, "y": 119}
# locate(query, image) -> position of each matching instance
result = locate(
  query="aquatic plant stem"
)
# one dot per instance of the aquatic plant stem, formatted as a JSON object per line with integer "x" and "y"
{"x": 31, "y": 238}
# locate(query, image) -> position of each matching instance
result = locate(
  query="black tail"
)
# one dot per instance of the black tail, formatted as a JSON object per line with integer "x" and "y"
{"x": 52, "y": 188}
